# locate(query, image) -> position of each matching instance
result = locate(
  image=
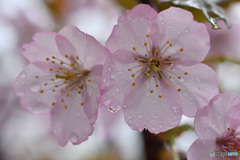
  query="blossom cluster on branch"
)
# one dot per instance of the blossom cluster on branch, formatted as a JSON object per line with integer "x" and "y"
{"x": 150, "y": 69}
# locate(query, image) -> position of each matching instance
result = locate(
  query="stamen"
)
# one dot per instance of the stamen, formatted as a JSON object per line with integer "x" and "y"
{"x": 82, "y": 103}
{"x": 133, "y": 84}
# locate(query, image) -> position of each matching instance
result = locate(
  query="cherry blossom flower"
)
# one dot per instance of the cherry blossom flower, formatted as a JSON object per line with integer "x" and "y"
{"x": 63, "y": 77}
{"x": 154, "y": 73}
{"x": 218, "y": 128}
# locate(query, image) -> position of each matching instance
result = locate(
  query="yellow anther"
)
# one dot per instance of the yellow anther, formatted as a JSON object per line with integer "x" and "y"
{"x": 72, "y": 64}
{"x": 147, "y": 35}
{"x": 179, "y": 77}
{"x": 141, "y": 64}
{"x": 148, "y": 69}
{"x": 159, "y": 79}
{"x": 45, "y": 84}
{"x": 47, "y": 59}
{"x": 61, "y": 62}
{"x": 170, "y": 77}
{"x": 67, "y": 87}
{"x": 65, "y": 106}
{"x": 179, "y": 89}
{"x": 53, "y": 90}
{"x": 134, "y": 48}
{"x": 62, "y": 100}
{"x": 160, "y": 96}
{"x": 53, "y": 103}
{"x": 148, "y": 74}
{"x": 42, "y": 91}
{"x": 66, "y": 55}
{"x": 76, "y": 89}
{"x": 53, "y": 62}
{"x": 129, "y": 69}
{"x": 171, "y": 68}
{"x": 79, "y": 92}
{"x": 145, "y": 44}
{"x": 52, "y": 79}
{"x": 153, "y": 76}
{"x": 181, "y": 49}
{"x": 167, "y": 84}
{"x": 50, "y": 69}
{"x": 68, "y": 94}
{"x": 136, "y": 58}
{"x": 142, "y": 68}
{"x": 36, "y": 77}
{"x": 82, "y": 103}
{"x": 157, "y": 85}
{"x": 133, "y": 84}
{"x": 164, "y": 67}
{"x": 167, "y": 42}
{"x": 56, "y": 85}
{"x": 133, "y": 75}
{"x": 173, "y": 62}
{"x": 77, "y": 57}
{"x": 146, "y": 55}
{"x": 53, "y": 57}
{"x": 160, "y": 57}
{"x": 151, "y": 91}
{"x": 65, "y": 82}
{"x": 155, "y": 51}
{"x": 186, "y": 73}
{"x": 89, "y": 80}
{"x": 169, "y": 56}
{"x": 170, "y": 44}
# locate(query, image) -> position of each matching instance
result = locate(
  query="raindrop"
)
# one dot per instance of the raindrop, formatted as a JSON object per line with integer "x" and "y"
{"x": 74, "y": 138}
{"x": 113, "y": 75}
{"x": 175, "y": 108}
{"x": 35, "y": 88}
{"x": 23, "y": 75}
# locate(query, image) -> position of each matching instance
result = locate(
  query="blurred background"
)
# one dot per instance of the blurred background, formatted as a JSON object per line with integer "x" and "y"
{"x": 24, "y": 136}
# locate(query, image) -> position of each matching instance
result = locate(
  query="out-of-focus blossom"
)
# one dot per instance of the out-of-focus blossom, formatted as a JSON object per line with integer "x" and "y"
{"x": 218, "y": 128}
{"x": 224, "y": 41}
{"x": 63, "y": 76}
{"x": 155, "y": 73}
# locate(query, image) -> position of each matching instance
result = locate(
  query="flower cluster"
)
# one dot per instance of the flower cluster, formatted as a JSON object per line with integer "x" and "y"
{"x": 150, "y": 69}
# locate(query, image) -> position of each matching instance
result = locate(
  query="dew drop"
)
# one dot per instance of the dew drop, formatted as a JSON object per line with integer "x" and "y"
{"x": 35, "y": 88}
{"x": 175, "y": 108}
{"x": 23, "y": 75}
{"x": 113, "y": 75}
{"x": 74, "y": 138}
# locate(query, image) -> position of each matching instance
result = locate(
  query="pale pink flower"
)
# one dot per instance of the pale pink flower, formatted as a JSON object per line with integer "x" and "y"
{"x": 218, "y": 128}
{"x": 155, "y": 73}
{"x": 63, "y": 77}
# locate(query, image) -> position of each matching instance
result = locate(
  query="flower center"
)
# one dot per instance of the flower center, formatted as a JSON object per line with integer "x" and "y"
{"x": 68, "y": 78}
{"x": 230, "y": 141}
{"x": 156, "y": 64}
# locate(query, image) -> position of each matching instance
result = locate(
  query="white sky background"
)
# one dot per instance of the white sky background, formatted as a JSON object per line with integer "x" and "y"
{"x": 24, "y": 133}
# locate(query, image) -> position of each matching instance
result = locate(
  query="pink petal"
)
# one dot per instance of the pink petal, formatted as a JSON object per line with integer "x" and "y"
{"x": 65, "y": 47}
{"x": 117, "y": 80}
{"x": 234, "y": 116}
{"x": 89, "y": 50}
{"x": 200, "y": 150}
{"x": 146, "y": 110}
{"x": 28, "y": 88}
{"x": 92, "y": 92}
{"x": 44, "y": 45}
{"x": 212, "y": 120}
{"x": 71, "y": 123}
{"x": 132, "y": 29}
{"x": 178, "y": 27}
{"x": 198, "y": 87}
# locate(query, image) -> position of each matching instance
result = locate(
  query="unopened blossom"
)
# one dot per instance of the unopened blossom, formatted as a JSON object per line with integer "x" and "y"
{"x": 218, "y": 128}
{"x": 154, "y": 73}
{"x": 63, "y": 77}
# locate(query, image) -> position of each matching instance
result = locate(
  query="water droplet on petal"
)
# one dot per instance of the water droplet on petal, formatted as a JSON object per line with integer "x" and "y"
{"x": 113, "y": 75}
{"x": 23, "y": 75}
{"x": 35, "y": 88}
{"x": 74, "y": 138}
